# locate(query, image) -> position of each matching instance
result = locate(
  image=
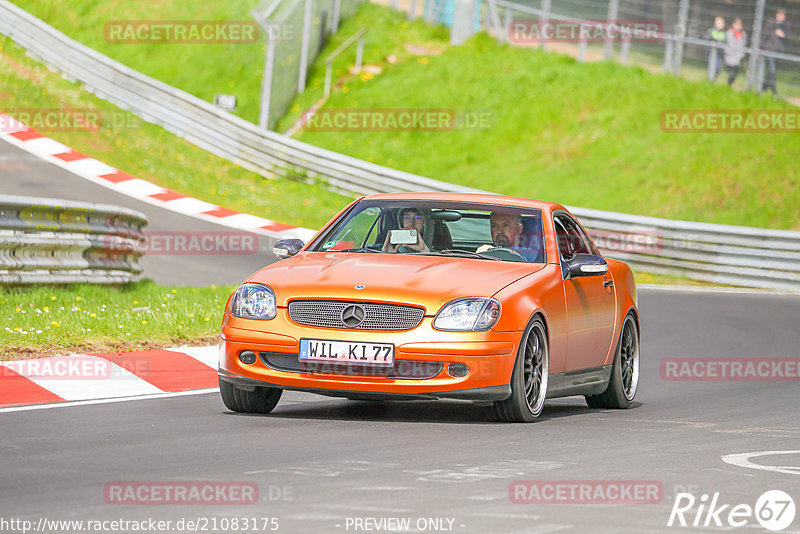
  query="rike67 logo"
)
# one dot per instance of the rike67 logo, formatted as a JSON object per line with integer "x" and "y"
{"x": 774, "y": 510}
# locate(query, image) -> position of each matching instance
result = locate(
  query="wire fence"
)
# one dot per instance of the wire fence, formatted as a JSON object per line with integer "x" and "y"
{"x": 296, "y": 33}
{"x": 770, "y": 49}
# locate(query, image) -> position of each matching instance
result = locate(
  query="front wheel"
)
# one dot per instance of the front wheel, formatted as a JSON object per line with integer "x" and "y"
{"x": 529, "y": 379}
{"x": 260, "y": 400}
{"x": 624, "y": 373}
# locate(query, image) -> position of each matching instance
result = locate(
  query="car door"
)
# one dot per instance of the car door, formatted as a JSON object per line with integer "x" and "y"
{"x": 590, "y": 301}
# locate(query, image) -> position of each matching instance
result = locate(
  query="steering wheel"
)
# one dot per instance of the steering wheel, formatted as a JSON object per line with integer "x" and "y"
{"x": 506, "y": 254}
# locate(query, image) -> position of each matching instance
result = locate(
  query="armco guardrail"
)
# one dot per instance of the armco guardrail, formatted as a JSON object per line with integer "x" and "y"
{"x": 49, "y": 241}
{"x": 724, "y": 254}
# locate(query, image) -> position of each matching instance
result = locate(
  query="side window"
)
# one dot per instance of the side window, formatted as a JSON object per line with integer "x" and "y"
{"x": 571, "y": 238}
{"x": 562, "y": 236}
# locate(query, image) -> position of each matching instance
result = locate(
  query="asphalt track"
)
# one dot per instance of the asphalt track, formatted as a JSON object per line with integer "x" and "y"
{"x": 22, "y": 173}
{"x": 322, "y": 463}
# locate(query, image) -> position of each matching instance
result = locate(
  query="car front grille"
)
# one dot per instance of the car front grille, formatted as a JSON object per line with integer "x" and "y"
{"x": 405, "y": 369}
{"x": 328, "y": 314}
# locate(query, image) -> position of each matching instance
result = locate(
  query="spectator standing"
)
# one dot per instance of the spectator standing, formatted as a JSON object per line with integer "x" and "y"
{"x": 716, "y": 33}
{"x": 735, "y": 47}
{"x": 774, "y": 41}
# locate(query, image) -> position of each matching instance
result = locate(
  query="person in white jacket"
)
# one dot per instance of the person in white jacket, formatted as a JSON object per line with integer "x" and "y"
{"x": 735, "y": 49}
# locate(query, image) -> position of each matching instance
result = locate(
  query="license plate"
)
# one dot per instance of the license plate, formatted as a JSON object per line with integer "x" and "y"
{"x": 321, "y": 350}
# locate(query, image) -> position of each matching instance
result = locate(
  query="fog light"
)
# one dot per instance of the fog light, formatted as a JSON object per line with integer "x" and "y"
{"x": 457, "y": 370}
{"x": 247, "y": 357}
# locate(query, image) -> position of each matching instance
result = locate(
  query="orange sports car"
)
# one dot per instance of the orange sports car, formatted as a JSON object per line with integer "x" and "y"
{"x": 436, "y": 296}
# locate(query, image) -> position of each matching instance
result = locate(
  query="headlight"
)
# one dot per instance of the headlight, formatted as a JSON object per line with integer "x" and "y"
{"x": 477, "y": 313}
{"x": 253, "y": 301}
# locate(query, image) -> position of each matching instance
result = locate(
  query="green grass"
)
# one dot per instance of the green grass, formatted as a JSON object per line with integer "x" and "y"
{"x": 580, "y": 134}
{"x": 200, "y": 69}
{"x": 152, "y": 153}
{"x": 86, "y": 318}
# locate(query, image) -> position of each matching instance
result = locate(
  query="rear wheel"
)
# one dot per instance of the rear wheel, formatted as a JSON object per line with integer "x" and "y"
{"x": 260, "y": 400}
{"x": 624, "y": 373}
{"x": 529, "y": 379}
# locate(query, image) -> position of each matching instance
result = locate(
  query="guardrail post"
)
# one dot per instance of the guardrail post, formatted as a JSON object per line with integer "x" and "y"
{"x": 755, "y": 45}
{"x": 508, "y": 21}
{"x": 669, "y": 49}
{"x": 494, "y": 17}
{"x": 412, "y": 14}
{"x": 611, "y": 16}
{"x": 680, "y": 34}
{"x": 305, "y": 41}
{"x": 266, "y": 81}
{"x": 546, "y": 9}
{"x": 582, "y": 45}
{"x": 335, "y": 14}
{"x": 625, "y": 50}
{"x": 360, "y": 53}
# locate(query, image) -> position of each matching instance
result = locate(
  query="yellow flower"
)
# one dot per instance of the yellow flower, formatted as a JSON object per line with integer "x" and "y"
{"x": 206, "y": 319}
{"x": 46, "y": 308}
{"x": 52, "y": 298}
{"x": 345, "y": 89}
{"x": 180, "y": 326}
{"x": 135, "y": 302}
{"x": 423, "y": 60}
{"x": 92, "y": 315}
{"x": 191, "y": 315}
{"x": 174, "y": 290}
{"x": 55, "y": 323}
{"x": 144, "y": 322}
{"x": 78, "y": 299}
{"x": 18, "y": 329}
{"x": 77, "y": 308}
{"x": 18, "y": 310}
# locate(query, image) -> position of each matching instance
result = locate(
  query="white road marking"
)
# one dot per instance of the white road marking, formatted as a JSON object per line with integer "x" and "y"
{"x": 106, "y": 401}
{"x": 207, "y": 355}
{"x": 743, "y": 460}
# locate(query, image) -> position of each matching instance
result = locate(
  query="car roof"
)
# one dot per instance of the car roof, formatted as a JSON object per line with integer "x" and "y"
{"x": 481, "y": 198}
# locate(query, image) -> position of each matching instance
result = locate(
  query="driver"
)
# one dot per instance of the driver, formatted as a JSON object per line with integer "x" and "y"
{"x": 507, "y": 232}
{"x": 410, "y": 219}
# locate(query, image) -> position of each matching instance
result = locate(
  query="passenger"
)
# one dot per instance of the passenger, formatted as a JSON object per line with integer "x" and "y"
{"x": 410, "y": 219}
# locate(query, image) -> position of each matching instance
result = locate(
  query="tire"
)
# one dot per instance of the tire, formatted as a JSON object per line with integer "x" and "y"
{"x": 529, "y": 379}
{"x": 624, "y": 380}
{"x": 261, "y": 400}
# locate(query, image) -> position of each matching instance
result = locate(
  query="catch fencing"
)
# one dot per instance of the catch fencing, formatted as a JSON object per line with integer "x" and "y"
{"x": 724, "y": 254}
{"x": 49, "y": 241}
{"x": 296, "y": 33}
{"x": 682, "y": 47}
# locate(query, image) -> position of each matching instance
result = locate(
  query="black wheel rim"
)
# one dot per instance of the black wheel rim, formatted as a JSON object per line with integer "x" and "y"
{"x": 629, "y": 359}
{"x": 535, "y": 369}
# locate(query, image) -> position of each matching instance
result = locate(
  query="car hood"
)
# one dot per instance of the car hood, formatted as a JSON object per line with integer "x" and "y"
{"x": 401, "y": 278}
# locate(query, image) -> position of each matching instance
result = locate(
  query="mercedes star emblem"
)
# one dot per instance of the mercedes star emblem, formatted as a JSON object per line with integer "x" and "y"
{"x": 353, "y": 315}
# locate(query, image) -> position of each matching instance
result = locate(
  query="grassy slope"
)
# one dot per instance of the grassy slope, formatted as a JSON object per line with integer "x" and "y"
{"x": 585, "y": 135}
{"x": 86, "y": 318}
{"x": 152, "y": 153}
{"x": 581, "y": 134}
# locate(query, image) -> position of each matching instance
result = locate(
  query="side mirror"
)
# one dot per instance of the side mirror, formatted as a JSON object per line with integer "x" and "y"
{"x": 286, "y": 248}
{"x": 581, "y": 265}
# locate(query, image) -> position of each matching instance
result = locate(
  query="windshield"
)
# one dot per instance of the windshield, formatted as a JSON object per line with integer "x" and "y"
{"x": 470, "y": 230}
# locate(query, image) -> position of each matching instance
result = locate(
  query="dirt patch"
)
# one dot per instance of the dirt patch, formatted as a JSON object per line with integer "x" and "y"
{"x": 28, "y": 353}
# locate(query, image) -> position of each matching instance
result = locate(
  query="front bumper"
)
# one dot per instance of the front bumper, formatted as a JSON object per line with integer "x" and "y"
{"x": 488, "y": 356}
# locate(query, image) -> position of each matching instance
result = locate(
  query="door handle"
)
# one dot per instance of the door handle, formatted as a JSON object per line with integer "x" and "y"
{"x": 608, "y": 283}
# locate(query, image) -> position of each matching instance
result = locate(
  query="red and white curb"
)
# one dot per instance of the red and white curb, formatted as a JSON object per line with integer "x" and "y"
{"x": 88, "y": 377}
{"x": 28, "y": 139}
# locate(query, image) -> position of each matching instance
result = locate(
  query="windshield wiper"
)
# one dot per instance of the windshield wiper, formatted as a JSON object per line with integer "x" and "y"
{"x": 361, "y": 249}
{"x": 464, "y": 253}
